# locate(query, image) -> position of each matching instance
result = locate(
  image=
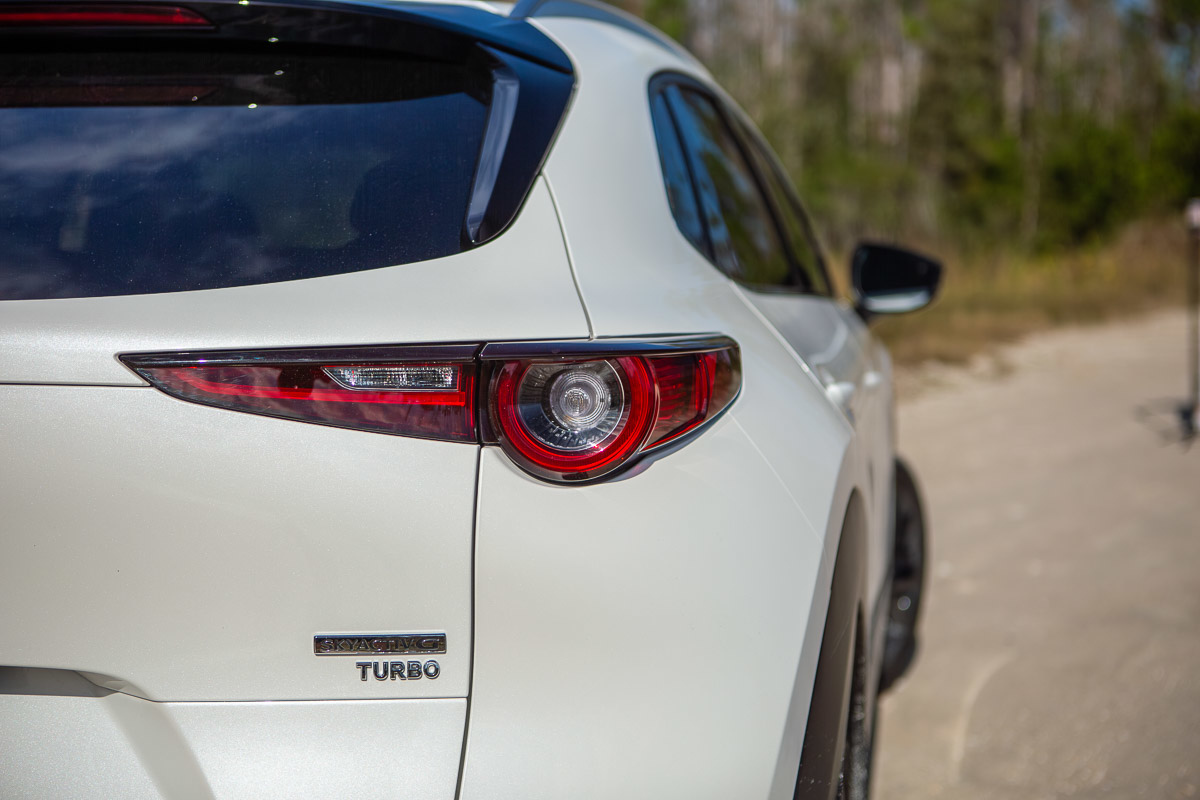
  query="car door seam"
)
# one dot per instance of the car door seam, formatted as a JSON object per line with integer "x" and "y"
{"x": 562, "y": 229}
{"x": 466, "y": 729}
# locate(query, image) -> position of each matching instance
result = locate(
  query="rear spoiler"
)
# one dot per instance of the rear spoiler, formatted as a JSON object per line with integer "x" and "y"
{"x": 426, "y": 29}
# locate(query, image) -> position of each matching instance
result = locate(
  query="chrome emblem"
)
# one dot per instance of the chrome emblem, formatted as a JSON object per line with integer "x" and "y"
{"x": 392, "y": 670}
{"x": 379, "y": 644}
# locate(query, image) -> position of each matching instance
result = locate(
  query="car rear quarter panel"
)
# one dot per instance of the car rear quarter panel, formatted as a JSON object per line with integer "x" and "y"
{"x": 638, "y": 274}
{"x": 655, "y": 636}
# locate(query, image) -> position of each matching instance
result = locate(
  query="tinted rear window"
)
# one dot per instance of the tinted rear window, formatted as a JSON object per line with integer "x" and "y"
{"x": 145, "y": 173}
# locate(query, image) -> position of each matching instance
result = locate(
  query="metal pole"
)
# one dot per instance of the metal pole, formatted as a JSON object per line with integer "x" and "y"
{"x": 1190, "y": 412}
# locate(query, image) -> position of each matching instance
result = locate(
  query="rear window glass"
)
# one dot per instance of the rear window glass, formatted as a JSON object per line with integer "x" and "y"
{"x": 145, "y": 173}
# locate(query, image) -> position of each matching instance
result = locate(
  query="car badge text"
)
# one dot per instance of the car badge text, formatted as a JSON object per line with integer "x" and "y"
{"x": 380, "y": 644}
{"x": 399, "y": 670}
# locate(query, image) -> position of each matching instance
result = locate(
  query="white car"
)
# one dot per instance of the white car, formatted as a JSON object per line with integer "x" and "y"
{"x": 428, "y": 401}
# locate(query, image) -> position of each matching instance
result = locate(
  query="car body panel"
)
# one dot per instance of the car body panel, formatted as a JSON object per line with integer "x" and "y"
{"x": 122, "y": 746}
{"x": 520, "y": 288}
{"x": 639, "y": 638}
{"x": 181, "y": 552}
{"x": 389, "y": 748}
{"x": 582, "y": 652}
{"x": 856, "y": 374}
{"x": 678, "y": 290}
{"x": 619, "y": 187}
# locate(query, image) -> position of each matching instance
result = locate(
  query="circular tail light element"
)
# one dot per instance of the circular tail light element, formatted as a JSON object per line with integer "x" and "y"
{"x": 573, "y": 420}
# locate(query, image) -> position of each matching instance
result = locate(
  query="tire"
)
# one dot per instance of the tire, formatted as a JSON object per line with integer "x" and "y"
{"x": 908, "y": 579}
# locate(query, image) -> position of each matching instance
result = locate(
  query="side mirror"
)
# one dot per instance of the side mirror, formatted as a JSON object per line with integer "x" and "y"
{"x": 888, "y": 280}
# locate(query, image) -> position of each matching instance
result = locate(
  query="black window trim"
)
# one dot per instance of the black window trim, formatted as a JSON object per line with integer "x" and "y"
{"x": 798, "y": 278}
{"x": 709, "y": 251}
{"x": 738, "y": 127}
{"x": 759, "y": 141}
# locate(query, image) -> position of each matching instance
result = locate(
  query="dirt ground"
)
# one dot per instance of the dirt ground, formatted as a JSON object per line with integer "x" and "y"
{"x": 1060, "y": 651}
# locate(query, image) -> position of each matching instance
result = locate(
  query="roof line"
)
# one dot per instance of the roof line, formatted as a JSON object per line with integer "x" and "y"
{"x": 598, "y": 12}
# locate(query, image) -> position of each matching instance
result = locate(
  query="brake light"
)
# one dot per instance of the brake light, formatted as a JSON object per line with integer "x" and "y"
{"x": 692, "y": 389}
{"x": 399, "y": 398}
{"x": 565, "y": 412}
{"x": 573, "y": 419}
{"x": 82, "y": 15}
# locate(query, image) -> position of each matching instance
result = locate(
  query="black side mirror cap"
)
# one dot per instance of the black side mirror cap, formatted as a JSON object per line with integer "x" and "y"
{"x": 891, "y": 280}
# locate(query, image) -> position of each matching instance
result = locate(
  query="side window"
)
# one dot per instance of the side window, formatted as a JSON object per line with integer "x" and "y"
{"x": 745, "y": 241}
{"x": 680, "y": 192}
{"x": 799, "y": 235}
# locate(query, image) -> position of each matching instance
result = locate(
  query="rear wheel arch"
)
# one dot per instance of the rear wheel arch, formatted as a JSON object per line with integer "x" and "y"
{"x": 841, "y": 652}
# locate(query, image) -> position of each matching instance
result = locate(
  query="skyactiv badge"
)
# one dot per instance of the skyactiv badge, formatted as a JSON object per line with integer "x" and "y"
{"x": 379, "y": 644}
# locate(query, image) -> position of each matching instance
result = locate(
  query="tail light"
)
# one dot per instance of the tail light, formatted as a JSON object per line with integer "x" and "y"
{"x": 427, "y": 392}
{"x": 568, "y": 412}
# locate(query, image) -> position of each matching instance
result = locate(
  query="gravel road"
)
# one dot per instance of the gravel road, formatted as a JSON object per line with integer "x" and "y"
{"x": 1060, "y": 648}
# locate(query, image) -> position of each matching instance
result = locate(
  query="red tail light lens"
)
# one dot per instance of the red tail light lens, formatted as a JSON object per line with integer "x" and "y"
{"x": 568, "y": 412}
{"x": 573, "y": 418}
{"x": 692, "y": 389}
{"x": 387, "y": 402}
{"x": 98, "y": 15}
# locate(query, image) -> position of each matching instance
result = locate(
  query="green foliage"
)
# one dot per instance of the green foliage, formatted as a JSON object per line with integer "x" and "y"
{"x": 1092, "y": 180}
{"x": 986, "y": 185}
{"x": 1179, "y": 20}
{"x": 669, "y": 16}
{"x": 858, "y": 193}
{"x": 1175, "y": 165}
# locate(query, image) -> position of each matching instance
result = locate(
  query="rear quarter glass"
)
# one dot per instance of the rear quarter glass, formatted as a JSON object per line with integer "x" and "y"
{"x": 133, "y": 172}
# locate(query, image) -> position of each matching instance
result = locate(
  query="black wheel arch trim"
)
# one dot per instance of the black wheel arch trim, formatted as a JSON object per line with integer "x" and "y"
{"x": 907, "y": 567}
{"x": 825, "y": 731}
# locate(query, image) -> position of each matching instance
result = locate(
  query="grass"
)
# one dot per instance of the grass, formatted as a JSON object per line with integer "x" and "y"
{"x": 995, "y": 299}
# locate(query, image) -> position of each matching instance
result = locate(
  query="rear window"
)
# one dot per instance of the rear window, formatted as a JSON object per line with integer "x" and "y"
{"x": 137, "y": 173}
